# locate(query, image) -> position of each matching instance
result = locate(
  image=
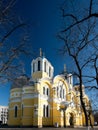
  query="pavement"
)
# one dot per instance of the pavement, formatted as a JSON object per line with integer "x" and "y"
{"x": 51, "y": 128}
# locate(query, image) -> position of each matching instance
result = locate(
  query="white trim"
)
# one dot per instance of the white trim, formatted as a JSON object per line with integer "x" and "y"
{"x": 29, "y": 96}
{"x": 45, "y": 97}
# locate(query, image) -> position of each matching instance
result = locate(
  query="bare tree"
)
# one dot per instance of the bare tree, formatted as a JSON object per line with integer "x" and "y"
{"x": 13, "y": 41}
{"x": 91, "y": 13}
{"x": 80, "y": 37}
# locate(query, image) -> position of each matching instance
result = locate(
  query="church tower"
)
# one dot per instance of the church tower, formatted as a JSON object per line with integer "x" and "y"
{"x": 41, "y": 68}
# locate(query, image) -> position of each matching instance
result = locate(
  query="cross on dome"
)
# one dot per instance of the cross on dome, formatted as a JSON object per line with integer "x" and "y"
{"x": 40, "y": 52}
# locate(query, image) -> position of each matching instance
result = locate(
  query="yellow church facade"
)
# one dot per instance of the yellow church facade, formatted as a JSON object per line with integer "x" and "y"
{"x": 44, "y": 100}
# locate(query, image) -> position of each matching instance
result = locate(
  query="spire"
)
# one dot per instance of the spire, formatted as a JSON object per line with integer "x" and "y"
{"x": 40, "y": 52}
{"x": 65, "y": 71}
{"x": 64, "y": 67}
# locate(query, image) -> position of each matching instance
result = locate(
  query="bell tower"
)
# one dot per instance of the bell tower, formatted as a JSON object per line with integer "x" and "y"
{"x": 41, "y": 67}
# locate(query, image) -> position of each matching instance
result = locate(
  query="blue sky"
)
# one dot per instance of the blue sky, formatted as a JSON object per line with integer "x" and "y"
{"x": 44, "y": 17}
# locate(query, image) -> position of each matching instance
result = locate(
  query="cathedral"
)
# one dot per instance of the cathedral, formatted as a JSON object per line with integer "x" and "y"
{"x": 45, "y": 99}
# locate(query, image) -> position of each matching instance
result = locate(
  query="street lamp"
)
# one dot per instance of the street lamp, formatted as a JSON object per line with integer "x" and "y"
{"x": 63, "y": 108}
{"x": 88, "y": 109}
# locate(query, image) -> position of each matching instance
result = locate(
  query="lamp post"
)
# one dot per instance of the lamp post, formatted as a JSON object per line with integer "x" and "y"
{"x": 53, "y": 95}
{"x": 88, "y": 109}
{"x": 63, "y": 108}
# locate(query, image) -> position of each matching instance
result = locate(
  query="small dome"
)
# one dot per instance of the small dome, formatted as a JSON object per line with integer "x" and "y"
{"x": 20, "y": 82}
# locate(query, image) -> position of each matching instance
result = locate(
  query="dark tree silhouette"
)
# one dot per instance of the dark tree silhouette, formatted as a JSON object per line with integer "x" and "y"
{"x": 13, "y": 41}
{"x": 80, "y": 43}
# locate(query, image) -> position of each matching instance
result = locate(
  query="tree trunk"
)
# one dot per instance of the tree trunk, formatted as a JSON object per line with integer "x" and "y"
{"x": 81, "y": 99}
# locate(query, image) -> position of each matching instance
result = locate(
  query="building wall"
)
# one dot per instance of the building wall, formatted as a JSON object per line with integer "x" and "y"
{"x": 30, "y": 101}
{"x": 3, "y": 114}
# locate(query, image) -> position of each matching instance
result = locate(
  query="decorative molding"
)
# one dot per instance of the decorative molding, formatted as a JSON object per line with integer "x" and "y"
{"x": 16, "y": 99}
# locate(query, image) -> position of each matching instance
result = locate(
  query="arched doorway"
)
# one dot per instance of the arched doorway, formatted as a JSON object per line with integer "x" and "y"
{"x": 71, "y": 120}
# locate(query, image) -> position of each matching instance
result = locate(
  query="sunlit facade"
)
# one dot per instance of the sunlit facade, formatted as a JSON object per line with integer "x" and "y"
{"x": 45, "y": 100}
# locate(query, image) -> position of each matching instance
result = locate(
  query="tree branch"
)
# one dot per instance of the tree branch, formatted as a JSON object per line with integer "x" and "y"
{"x": 11, "y": 31}
{"x": 90, "y": 8}
{"x": 80, "y": 21}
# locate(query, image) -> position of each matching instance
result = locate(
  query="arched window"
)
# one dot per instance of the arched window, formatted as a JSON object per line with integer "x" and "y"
{"x": 60, "y": 93}
{"x": 38, "y": 65}
{"x": 16, "y": 111}
{"x": 49, "y": 71}
{"x": 47, "y": 91}
{"x": 45, "y": 111}
{"x": 45, "y": 66}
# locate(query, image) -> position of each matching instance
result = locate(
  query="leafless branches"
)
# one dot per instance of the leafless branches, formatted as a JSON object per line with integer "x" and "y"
{"x": 14, "y": 42}
{"x": 77, "y": 21}
{"x": 80, "y": 39}
{"x": 11, "y": 31}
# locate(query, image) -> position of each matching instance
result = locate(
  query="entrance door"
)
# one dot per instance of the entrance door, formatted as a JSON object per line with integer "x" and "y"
{"x": 71, "y": 120}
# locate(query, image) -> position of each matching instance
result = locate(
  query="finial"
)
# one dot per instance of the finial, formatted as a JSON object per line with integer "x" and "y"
{"x": 65, "y": 71}
{"x": 64, "y": 67}
{"x": 40, "y": 52}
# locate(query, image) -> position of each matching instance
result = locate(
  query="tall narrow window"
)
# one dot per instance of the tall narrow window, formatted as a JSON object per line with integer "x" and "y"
{"x": 47, "y": 91}
{"x": 49, "y": 71}
{"x": 44, "y": 111}
{"x": 16, "y": 111}
{"x": 47, "y": 111}
{"x": 45, "y": 66}
{"x": 38, "y": 65}
{"x": 22, "y": 109}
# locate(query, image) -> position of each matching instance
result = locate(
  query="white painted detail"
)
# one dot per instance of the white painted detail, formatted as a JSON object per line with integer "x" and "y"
{"x": 27, "y": 96}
